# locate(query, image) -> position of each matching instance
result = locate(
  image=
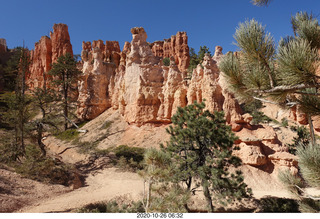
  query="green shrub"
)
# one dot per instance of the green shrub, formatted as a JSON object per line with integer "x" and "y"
{"x": 279, "y": 205}
{"x": 251, "y": 106}
{"x": 131, "y": 157}
{"x": 257, "y": 116}
{"x": 112, "y": 207}
{"x": 106, "y": 125}
{"x": 85, "y": 147}
{"x": 166, "y": 61}
{"x": 68, "y": 135}
{"x": 9, "y": 151}
{"x": 43, "y": 169}
{"x": 134, "y": 153}
{"x": 284, "y": 122}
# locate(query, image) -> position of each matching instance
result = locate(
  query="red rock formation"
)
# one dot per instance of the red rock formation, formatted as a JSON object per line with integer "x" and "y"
{"x": 176, "y": 46}
{"x": 99, "y": 67}
{"x": 41, "y": 60}
{"x": 260, "y": 147}
{"x": 139, "y": 86}
{"x": 46, "y": 51}
{"x": 60, "y": 40}
{"x": 207, "y": 83}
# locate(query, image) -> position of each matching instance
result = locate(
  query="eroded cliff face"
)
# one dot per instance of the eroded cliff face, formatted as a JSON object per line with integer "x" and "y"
{"x": 46, "y": 51}
{"x": 208, "y": 84}
{"x": 133, "y": 81}
{"x": 176, "y": 47}
{"x": 100, "y": 62}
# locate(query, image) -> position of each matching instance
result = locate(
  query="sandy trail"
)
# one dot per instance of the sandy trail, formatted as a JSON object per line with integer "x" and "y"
{"x": 110, "y": 183}
{"x": 105, "y": 185}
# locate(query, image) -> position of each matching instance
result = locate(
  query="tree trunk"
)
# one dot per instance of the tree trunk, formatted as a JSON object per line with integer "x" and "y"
{"x": 65, "y": 107}
{"x": 39, "y": 139}
{"x": 313, "y": 139}
{"x": 207, "y": 195}
{"x": 148, "y": 196}
{"x": 65, "y": 113}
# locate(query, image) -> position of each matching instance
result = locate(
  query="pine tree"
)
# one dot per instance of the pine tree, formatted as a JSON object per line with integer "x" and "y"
{"x": 285, "y": 76}
{"x": 43, "y": 100}
{"x": 65, "y": 73}
{"x": 196, "y": 59}
{"x": 201, "y": 146}
{"x": 17, "y": 103}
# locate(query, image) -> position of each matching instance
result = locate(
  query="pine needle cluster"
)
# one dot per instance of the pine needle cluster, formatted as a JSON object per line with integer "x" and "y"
{"x": 259, "y": 70}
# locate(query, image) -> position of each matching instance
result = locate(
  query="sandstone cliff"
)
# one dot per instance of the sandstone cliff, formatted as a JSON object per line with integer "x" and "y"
{"x": 46, "y": 51}
{"x": 133, "y": 81}
{"x": 99, "y": 64}
{"x": 177, "y": 47}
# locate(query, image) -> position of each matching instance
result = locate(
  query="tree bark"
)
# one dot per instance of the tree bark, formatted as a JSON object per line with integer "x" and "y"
{"x": 65, "y": 107}
{"x": 313, "y": 139}
{"x": 207, "y": 195}
{"x": 39, "y": 139}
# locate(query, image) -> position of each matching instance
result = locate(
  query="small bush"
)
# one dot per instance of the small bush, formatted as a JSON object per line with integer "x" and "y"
{"x": 251, "y": 106}
{"x": 106, "y": 125}
{"x": 112, "y": 207}
{"x": 68, "y": 135}
{"x": 86, "y": 147}
{"x": 131, "y": 157}
{"x": 257, "y": 116}
{"x": 284, "y": 122}
{"x": 166, "y": 61}
{"x": 279, "y": 205}
{"x": 9, "y": 151}
{"x": 134, "y": 153}
{"x": 43, "y": 169}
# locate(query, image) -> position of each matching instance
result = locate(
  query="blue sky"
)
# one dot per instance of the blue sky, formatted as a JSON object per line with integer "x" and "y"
{"x": 207, "y": 22}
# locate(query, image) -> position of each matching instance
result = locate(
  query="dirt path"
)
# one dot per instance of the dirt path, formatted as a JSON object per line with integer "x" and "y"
{"x": 105, "y": 185}
{"x": 110, "y": 183}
